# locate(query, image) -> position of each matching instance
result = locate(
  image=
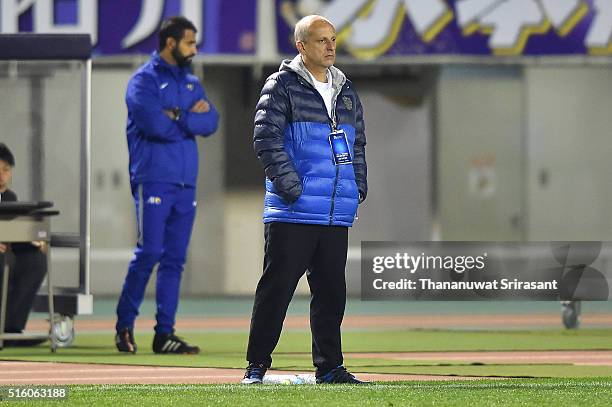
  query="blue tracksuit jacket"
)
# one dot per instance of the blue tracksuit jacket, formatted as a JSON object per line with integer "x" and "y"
{"x": 163, "y": 150}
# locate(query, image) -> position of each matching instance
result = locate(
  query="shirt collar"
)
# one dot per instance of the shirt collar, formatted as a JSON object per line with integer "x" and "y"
{"x": 328, "y": 83}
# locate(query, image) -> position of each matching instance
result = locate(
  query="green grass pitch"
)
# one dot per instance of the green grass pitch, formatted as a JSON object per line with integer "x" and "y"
{"x": 226, "y": 350}
{"x": 523, "y": 392}
{"x": 555, "y": 384}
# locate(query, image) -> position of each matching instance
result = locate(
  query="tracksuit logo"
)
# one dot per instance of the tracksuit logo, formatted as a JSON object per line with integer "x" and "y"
{"x": 154, "y": 200}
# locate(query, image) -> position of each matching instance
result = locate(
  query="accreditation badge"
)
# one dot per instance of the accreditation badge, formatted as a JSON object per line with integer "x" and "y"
{"x": 340, "y": 147}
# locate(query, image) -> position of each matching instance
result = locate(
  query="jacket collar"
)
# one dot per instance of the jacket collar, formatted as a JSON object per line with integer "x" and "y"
{"x": 297, "y": 65}
{"x": 159, "y": 62}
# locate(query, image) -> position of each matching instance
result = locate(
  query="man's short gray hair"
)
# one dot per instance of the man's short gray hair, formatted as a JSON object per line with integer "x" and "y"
{"x": 301, "y": 28}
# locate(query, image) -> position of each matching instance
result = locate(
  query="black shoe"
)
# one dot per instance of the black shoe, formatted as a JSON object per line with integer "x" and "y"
{"x": 170, "y": 343}
{"x": 124, "y": 340}
{"x": 254, "y": 374}
{"x": 338, "y": 375}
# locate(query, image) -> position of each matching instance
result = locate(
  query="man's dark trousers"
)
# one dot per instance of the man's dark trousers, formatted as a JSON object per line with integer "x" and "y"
{"x": 290, "y": 250}
{"x": 28, "y": 269}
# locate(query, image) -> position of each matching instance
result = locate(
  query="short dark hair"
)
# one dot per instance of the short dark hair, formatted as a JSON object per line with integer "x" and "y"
{"x": 174, "y": 27}
{"x": 6, "y": 155}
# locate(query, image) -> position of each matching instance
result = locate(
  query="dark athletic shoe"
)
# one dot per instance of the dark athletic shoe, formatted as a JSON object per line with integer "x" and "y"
{"x": 337, "y": 376}
{"x": 124, "y": 340}
{"x": 254, "y": 374}
{"x": 170, "y": 343}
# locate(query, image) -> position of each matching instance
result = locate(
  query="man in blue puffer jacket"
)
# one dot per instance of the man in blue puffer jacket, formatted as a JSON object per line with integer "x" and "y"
{"x": 167, "y": 109}
{"x": 310, "y": 137}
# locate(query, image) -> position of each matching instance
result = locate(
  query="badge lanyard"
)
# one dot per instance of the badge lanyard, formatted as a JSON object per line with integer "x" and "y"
{"x": 338, "y": 142}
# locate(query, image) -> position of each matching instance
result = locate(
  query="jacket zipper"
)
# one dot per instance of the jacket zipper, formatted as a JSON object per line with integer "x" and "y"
{"x": 333, "y": 125}
{"x": 178, "y": 86}
{"x": 333, "y": 202}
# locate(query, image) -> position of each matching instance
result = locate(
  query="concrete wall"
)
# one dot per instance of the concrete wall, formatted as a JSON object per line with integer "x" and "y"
{"x": 480, "y": 152}
{"x": 41, "y": 121}
{"x": 520, "y": 153}
{"x": 16, "y": 133}
{"x": 113, "y": 217}
{"x": 536, "y": 141}
{"x": 569, "y": 172}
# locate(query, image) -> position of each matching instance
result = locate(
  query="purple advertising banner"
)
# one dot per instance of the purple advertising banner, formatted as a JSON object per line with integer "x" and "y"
{"x": 369, "y": 29}
{"x": 130, "y": 27}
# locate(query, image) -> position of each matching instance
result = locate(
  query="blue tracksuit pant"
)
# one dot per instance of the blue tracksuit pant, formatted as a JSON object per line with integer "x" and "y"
{"x": 165, "y": 215}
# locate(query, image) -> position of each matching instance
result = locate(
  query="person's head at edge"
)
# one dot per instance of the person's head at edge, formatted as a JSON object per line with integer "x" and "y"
{"x": 177, "y": 41}
{"x": 7, "y": 162}
{"x": 315, "y": 39}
